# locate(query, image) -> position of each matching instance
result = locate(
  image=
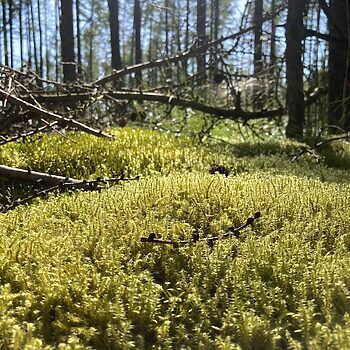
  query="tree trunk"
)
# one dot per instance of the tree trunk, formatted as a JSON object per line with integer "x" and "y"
{"x": 294, "y": 50}
{"x": 35, "y": 53}
{"x": 201, "y": 36}
{"x": 67, "y": 41}
{"x": 77, "y": 14}
{"x": 57, "y": 10}
{"x": 20, "y": 14}
{"x": 187, "y": 37}
{"x": 258, "y": 21}
{"x": 91, "y": 42}
{"x": 4, "y": 31}
{"x": 11, "y": 31}
{"x": 29, "y": 35}
{"x": 338, "y": 68}
{"x": 46, "y": 32}
{"x": 113, "y": 6}
{"x": 137, "y": 34}
{"x": 41, "y": 56}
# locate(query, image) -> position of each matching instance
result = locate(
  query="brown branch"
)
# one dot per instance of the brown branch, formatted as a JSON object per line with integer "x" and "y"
{"x": 93, "y": 185}
{"x": 233, "y": 114}
{"x": 311, "y": 150}
{"x": 50, "y": 115}
{"x": 326, "y": 37}
{"x": 34, "y": 176}
{"x": 235, "y": 232}
{"x": 28, "y": 134}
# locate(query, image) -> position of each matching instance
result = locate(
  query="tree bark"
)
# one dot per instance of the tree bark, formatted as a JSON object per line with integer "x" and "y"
{"x": 338, "y": 67}
{"x": 67, "y": 41}
{"x": 4, "y": 31}
{"x": 137, "y": 40}
{"x": 20, "y": 14}
{"x": 11, "y": 31}
{"x": 294, "y": 50}
{"x": 35, "y": 53}
{"x": 41, "y": 56}
{"x": 113, "y": 6}
{"x": 201, "y": 36}
{"x": 77, "y": 15}
{"x": 258, "y": 22}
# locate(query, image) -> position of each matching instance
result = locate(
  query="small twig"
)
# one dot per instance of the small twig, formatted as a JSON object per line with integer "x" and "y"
{"x": 195, "y": 237}
{"x": 5, "y": 140}
{"x": 311, "y": 150}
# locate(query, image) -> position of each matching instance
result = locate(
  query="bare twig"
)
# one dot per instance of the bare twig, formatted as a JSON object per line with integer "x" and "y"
{"x": 235, "y": 232}
{"x": 311, "y": 150}
{"x": 50, "y": 115}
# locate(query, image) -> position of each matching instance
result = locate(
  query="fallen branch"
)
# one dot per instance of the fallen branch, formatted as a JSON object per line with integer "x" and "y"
{"x": 5, "y": 140}
{"x": 311, "y": 150}
{"x": 34, "y": 176}
{"x": 235, "y": 232}
{"x": 233, "y": 113}
{"x": 50, "y": 115}
{"x": 94, "y": 185}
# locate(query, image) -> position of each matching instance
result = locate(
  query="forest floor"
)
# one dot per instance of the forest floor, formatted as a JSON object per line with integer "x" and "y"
{"x": 75, "y": 274}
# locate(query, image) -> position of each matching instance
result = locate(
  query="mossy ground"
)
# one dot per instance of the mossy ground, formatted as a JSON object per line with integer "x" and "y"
{"x": 74, "y": 274}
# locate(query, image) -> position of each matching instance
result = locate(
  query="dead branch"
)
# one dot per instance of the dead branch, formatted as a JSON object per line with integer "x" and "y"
{"x": 94, "y": 185}
{"x": 233, "y": 114}
{"x": 34, "y": 176}
{"x": 28, "y": 134}
{"x": 233, "y": 232}
{"x": 311, "y": 150}
{"x": 50, "y": 115}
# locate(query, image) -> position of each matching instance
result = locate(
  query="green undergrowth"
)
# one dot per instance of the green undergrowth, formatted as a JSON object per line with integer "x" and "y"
{"x": 147, "y": 152}
{"x": 74, "y": 273}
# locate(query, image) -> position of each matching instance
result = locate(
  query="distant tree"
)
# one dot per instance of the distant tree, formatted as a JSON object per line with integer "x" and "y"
{"x": 33, "y": 31}
{"x": 294, "y": 51}
{"x": 10, "y": 2}
{"x": 137, "y": 38}
{"x": 21, "y": 31}
{"x": 201, "y": 35}
{"x": 113, "y": 6}
{"x": 41, "y": 41}
{"x": 79, "y": 58}
{"x": 4, "y": 32}
{"x": 67, "y": 41}
{"x": 258, "y": 23}
{"x": 339, "y": 65}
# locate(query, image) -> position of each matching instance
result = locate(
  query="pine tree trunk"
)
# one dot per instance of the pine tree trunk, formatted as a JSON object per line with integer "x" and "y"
{"x": 67, "y": 41}
{"x": 201, "y": 36}
{"x": 258, "y": 21}
{"x": 77, "y": 14}
{"x": 339, "y": 68}
{"x": 294, "y": 50}
{"x": 113, "y": 6}
{"x": 57, "y": 55}
{"x": 4, "y": 31}
{"x": 41, "y": 58}
{"x": 35, "y": 53}
{"x": 20, "y": 14}
{"x": 11, "y": 31}
{"x": 137, "y": 34}
{"x": 91, "y": 42}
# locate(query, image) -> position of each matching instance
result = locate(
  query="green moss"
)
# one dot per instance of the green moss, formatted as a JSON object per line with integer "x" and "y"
{"x": 75, "y": 275}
